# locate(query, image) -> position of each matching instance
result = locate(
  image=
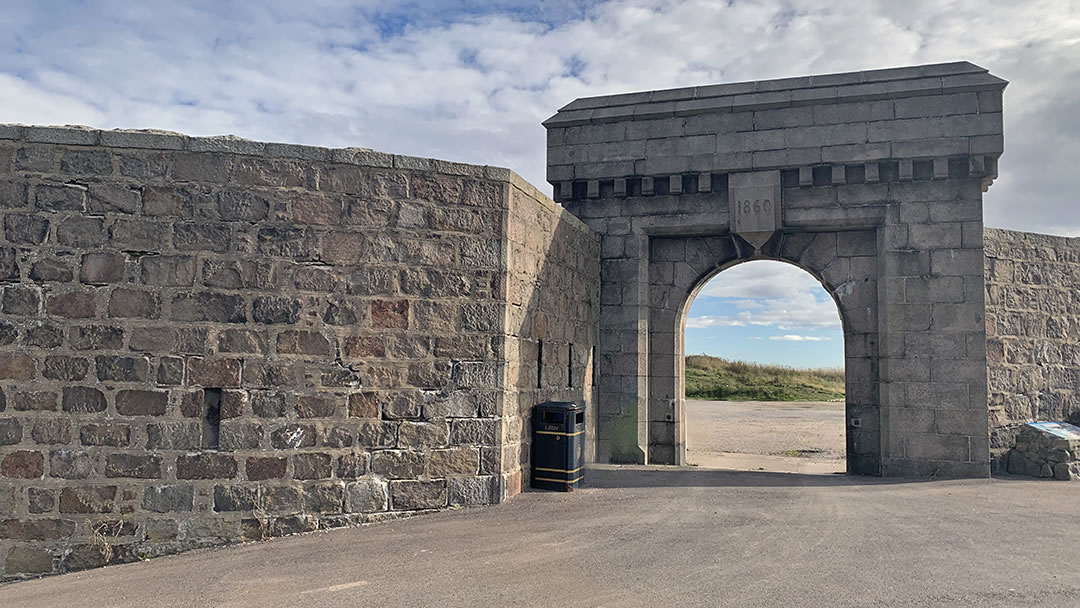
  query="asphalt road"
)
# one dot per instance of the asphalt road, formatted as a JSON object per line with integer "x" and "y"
{"x": 659, "y": 537}
{"x": 763, "y": 435}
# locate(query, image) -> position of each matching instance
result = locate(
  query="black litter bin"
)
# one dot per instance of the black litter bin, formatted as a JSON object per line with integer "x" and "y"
{"x": 558, "y": 446}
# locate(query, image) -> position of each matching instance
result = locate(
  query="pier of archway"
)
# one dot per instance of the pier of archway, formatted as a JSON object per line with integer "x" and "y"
{"x": 680, "y": 266}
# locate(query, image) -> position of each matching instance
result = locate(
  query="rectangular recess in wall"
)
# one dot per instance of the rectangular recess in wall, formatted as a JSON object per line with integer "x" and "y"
{"x": 595, "y": 368}
{"x": 570, "y": 366}
{"x": 540, "y": 364}
{"x": 211, "y": 423}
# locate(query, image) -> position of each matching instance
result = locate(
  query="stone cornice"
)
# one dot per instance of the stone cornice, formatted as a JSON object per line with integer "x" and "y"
{"x": 893, "y": 83}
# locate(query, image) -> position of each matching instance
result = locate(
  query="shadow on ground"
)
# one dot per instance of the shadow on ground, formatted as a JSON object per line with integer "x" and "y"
{"x": 660, "y": 476}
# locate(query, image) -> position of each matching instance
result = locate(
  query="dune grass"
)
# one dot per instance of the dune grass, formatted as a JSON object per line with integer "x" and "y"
{"x": 717, "y": 379}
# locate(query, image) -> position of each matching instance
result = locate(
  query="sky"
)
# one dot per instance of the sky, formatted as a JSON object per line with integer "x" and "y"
{"x": 471, "y": 82}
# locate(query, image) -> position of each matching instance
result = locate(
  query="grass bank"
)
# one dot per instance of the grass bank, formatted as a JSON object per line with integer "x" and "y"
{"x": 718, "y": 379}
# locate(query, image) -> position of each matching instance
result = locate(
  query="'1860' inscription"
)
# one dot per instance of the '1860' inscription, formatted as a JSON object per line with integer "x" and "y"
{"x": 755, "y": 205}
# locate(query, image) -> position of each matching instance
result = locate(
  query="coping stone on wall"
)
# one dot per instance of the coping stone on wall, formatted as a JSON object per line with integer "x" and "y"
{"x": 81, "y": 135}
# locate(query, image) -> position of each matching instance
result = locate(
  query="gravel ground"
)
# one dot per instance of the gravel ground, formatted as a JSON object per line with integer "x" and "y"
{"x": 785, "y": 436}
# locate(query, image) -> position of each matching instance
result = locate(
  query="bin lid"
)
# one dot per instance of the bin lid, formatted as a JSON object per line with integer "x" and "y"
{"x": 563, "y": 406}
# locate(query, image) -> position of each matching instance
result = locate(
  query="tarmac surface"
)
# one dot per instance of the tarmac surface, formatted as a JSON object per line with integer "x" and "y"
{"x": 778, "y": 436}
{"x": 646, "y": 536}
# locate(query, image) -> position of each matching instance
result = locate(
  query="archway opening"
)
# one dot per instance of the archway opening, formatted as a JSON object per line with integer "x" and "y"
{"x": 764, "y": 386}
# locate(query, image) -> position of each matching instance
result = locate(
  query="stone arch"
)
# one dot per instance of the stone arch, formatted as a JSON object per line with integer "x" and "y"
{"x": 845, "y": 263}
{"x": 871, "y": 181}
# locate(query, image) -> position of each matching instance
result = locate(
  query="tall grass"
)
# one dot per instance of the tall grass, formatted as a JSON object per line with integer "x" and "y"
{"x": 723, "y": 380}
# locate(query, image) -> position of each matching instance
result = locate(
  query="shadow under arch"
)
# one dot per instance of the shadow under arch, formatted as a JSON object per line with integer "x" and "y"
{"x": 843, "y": 262}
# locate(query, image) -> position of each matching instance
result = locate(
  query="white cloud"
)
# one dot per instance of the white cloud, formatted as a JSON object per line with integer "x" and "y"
{"x": 442, "y": 79}
{"x": 711, "y": 321}
{"x": 768, "y": 294}
{"x": 760, "y": 279}
{"x": 798, "y": 338}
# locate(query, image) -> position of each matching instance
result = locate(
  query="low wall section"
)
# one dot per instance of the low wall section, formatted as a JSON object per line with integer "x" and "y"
{"x": 1032, "y": 332}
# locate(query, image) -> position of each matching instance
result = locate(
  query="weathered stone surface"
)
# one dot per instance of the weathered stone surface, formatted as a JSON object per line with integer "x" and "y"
{"x": 293, "y": 436}
{"x": 237, "y": 435}
{"x": 317, "y": 406}
{"x": 26, "y": 229}
{"x": 168, "y": 498}
{"x": 303, "y": 343}
{"x": 407, "y": 495}
{"x": 209, "y": 307}
{"x": 52, "y": 270}
{"x": 234, "y": 498}
{"x": 364, "y": 405}
{"x": 122, "y": 369}
{"x": 18, "y": 300}
{"x": 36, "y": 529}
{"x": 131, "y": 303}
{"x": 95, "y": 499}
{"x": 167, "y": 270}
{"x": 11, "y": 431}
{"x": 81, "y": 232}
{"x": 311, "y": 466}
{"x": 23, "y": 464}
{"x": 398, "y": 464}
{"x": 241, "y": 341}
{"x": 28, "y": 560}
{"x": 56, "y": 431}
{"x": 324, "y": 497}
{"x": 40, "y": 500}
{"x": 72, "y": 305}
{"x": 281, "y": 499}
{"x": 16, "y": 366}
{"x": 70, "y": 464}
{"x": 141, "y": 403}
{"x": 112, "y": 435}
{"x": 63, "y": 367}
{"x": 366, "y": 496}
{"x": 102, "y": 268}
{"x": 1046, "y": 449}
{"x": 453, "y": 462}
{"x": 139, "y": 466}
{"x": 388, "y": 314}
{"x": 205, "y": 466}
{"x": 174, "y": 436}
{"x": 473, "y": 491}
{"x": 275, "y": 310}
{"x": 96, "y": 337}
{"x": 267, "y": 404}
{"x": 214, "y": 372}
{"x": 113, "y": 198}
{"x": 354, "y": 465}
{"x": 260, "y": 468}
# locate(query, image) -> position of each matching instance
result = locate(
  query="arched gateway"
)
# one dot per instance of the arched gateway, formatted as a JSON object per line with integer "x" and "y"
{"x": 871, "y": 181}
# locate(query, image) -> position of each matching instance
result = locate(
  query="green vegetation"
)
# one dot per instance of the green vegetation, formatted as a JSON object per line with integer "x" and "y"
{"x": 718, "y": 379}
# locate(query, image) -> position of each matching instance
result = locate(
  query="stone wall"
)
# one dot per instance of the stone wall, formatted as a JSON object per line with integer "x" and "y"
{"x": 553, "y": 289}
{"x": 1032, "y": 331}
{"x": 209, "y": 340}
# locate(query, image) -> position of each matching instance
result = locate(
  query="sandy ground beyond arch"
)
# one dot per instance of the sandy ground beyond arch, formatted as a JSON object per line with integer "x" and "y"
{"x": 783, "y": 436}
